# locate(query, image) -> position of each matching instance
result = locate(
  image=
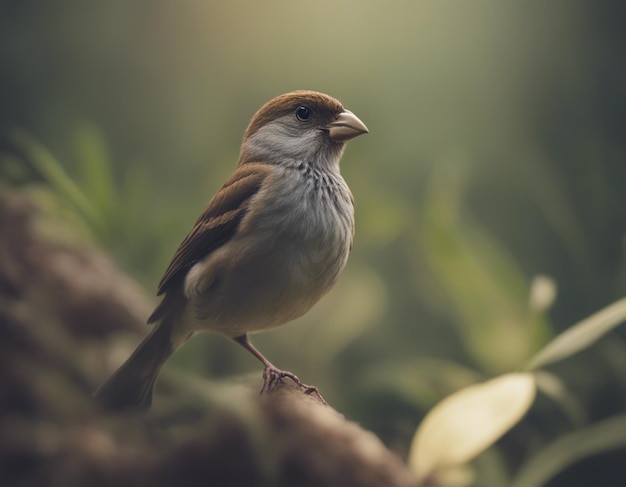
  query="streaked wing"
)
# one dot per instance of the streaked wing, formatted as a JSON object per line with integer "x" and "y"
{"x": 218, "y": 223}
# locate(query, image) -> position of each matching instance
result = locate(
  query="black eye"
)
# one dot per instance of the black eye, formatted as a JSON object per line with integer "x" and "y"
{"x": 303, "y": 113}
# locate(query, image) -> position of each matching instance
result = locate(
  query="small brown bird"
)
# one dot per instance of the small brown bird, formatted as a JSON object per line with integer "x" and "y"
{"x": 267, "y": 247}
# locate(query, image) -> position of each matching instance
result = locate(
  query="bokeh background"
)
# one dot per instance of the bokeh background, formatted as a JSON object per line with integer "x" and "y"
{"x": 493, "y": 179}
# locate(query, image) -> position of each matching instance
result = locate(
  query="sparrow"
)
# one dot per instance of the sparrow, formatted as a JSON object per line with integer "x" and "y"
{"x": 269, "y": 244}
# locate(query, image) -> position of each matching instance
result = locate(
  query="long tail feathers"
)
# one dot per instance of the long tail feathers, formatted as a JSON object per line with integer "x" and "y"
{"x": 130, "y": 387}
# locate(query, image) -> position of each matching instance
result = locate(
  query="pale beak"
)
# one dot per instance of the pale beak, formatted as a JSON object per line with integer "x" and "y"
{"x": 345, "y": 127}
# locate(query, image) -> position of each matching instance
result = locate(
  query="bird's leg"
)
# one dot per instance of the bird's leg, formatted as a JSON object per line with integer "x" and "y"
{"x": 272, "y": 375}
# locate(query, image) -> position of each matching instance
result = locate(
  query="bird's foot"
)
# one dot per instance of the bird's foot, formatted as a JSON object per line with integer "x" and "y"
{"x": 272, "y": 376}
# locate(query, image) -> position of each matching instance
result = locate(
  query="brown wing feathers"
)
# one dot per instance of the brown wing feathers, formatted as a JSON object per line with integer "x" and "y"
{"x": 216, "y": 225}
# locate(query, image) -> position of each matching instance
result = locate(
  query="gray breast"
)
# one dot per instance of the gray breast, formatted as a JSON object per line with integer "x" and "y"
{"x": 294, "y": 246}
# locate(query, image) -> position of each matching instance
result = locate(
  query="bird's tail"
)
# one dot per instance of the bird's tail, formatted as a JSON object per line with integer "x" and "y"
{"x": 130, "y": 387}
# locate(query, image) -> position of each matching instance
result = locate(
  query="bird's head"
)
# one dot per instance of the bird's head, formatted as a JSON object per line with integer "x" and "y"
{"x": 300, "y": 126}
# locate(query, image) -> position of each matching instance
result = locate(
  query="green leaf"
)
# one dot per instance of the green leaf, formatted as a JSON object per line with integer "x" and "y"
{"x": 478, "y": 283}
{"x": 469, "y": 421}
{"x": 95, "y": 174}
{"x": 53, "y": 173}
{"x": 581, "y": 335}
{"x": 606, "y": 435}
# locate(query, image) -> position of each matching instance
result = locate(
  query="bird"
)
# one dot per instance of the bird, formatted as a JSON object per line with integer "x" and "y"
{"x": 269, "y": 244}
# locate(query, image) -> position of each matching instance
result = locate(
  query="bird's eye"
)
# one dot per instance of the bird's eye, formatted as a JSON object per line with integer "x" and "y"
{"x": 303, "y": 113}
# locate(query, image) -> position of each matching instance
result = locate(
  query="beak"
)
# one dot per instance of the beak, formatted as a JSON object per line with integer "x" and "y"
{"x": 345, "y": 127}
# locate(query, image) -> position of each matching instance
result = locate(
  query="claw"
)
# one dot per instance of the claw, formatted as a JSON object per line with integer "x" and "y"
{"x": 273, "y": 375}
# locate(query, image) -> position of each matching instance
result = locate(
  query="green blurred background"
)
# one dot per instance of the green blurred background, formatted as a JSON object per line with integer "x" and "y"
{"x": 495, "y": 164}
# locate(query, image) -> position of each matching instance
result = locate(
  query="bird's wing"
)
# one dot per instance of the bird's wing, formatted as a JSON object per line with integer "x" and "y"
{"x": 218, "y": 223}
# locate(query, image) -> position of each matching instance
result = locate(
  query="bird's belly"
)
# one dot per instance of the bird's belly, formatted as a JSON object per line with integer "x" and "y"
{"x": 246, "y": 287}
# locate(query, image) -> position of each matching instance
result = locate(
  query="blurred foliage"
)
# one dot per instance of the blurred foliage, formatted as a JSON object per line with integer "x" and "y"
{"x": 492, "y": 179}
{"x": 464, "y": 424}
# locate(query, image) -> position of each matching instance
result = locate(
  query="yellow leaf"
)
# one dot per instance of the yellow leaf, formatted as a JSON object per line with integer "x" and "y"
{"x": 469, "y": 421}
